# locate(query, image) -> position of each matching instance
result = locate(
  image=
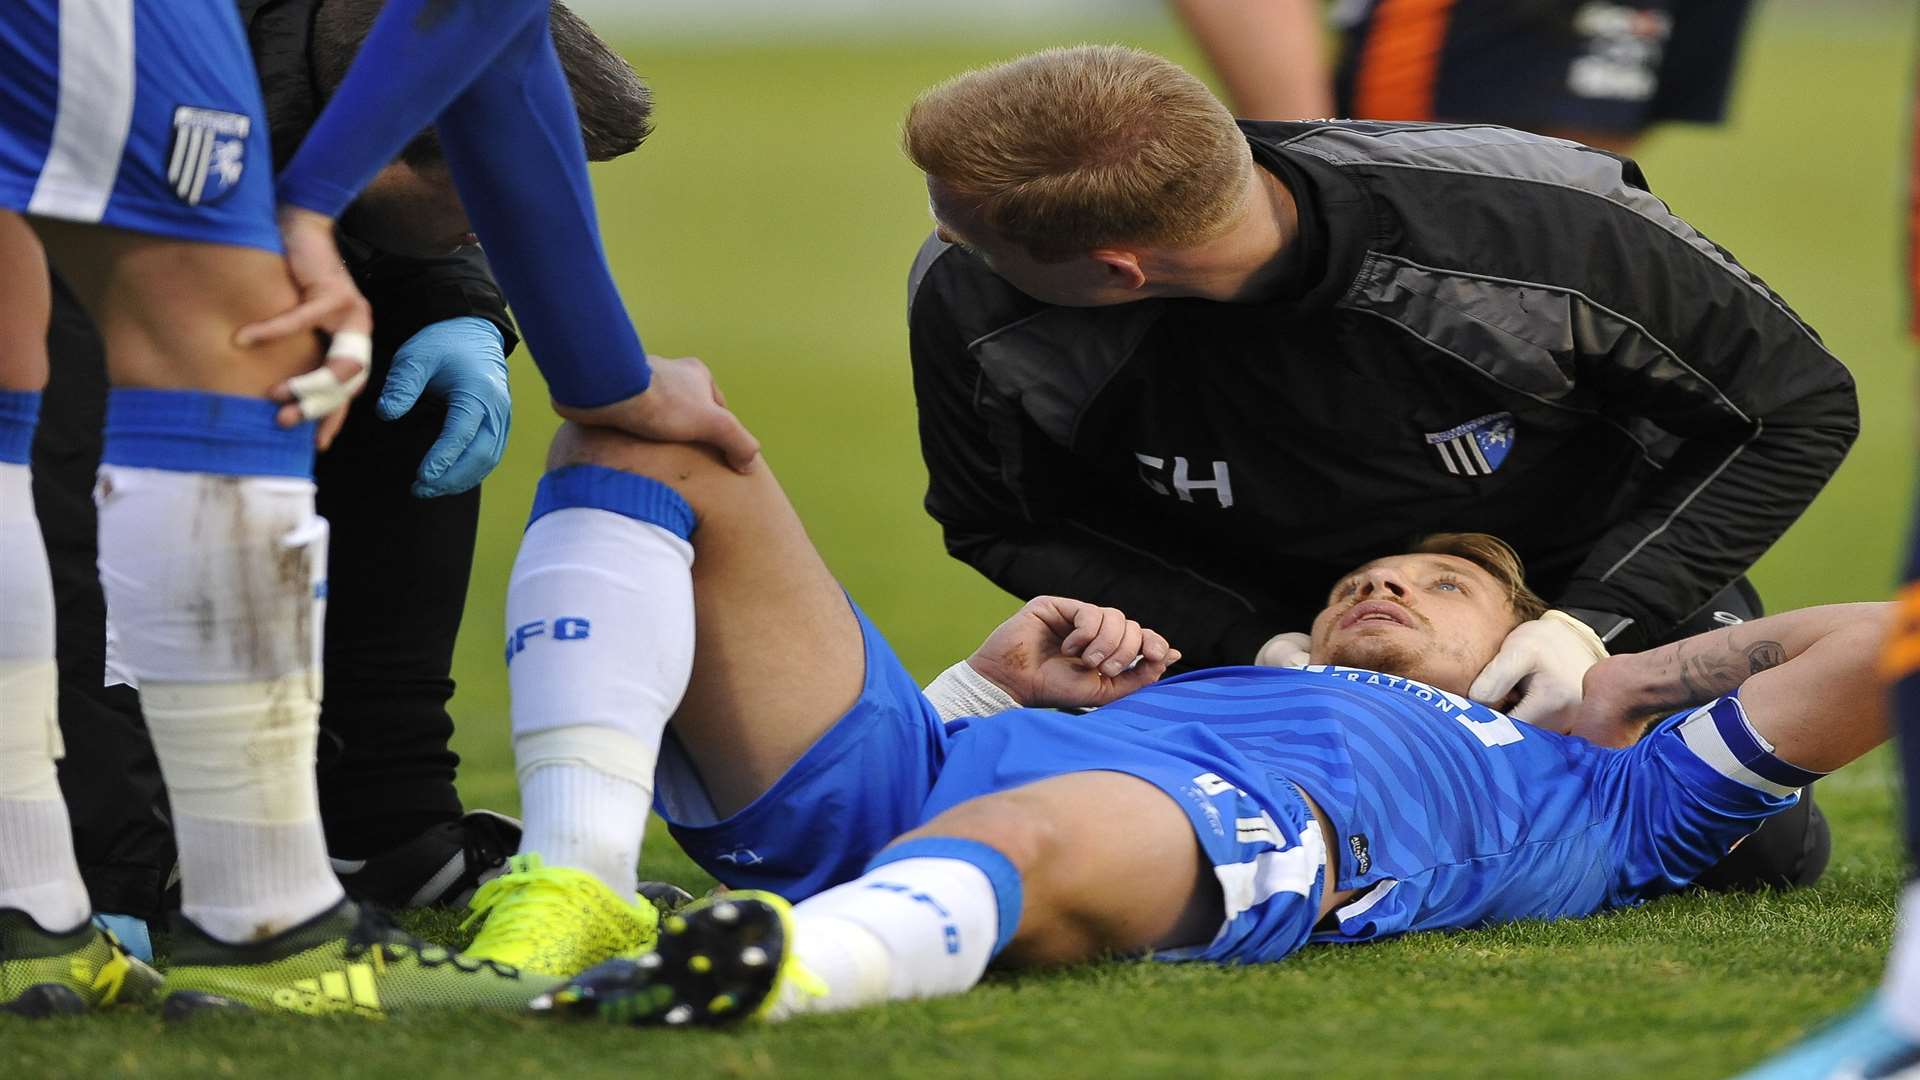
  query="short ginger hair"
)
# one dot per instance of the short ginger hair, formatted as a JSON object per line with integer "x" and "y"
{"x": 1070, "y": 149}
{"x": 1496, "y": 557}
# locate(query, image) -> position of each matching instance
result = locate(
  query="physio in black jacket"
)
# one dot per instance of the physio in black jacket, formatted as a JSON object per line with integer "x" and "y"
{"x": 400, "y": 489}
{"x": 1191, "y": 369}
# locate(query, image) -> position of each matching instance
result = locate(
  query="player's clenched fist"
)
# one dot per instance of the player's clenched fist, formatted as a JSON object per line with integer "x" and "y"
{"x": 1063, "y": 653}
{"x": 681, "y": 404}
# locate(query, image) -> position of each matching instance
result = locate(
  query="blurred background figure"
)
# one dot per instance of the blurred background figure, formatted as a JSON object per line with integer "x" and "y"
{"x": 1594, "y": 72}
{"x": 1880, "y": 1040}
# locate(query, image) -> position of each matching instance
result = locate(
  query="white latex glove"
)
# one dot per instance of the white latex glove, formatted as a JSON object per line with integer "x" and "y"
{"x": 1284, "y": 650}
{"x": 1545, "y": 659}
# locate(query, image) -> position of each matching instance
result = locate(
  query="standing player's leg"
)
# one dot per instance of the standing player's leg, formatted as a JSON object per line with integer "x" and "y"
{"x": 211, "y": 553}
{"x": 159, "y": 215}
{"x": 647, "y": 568}
{"x": 38, "y": 874}
{"x": 51, "y": 959}
{"x": 121, "y": 834}
{"x": 213, "y": 560}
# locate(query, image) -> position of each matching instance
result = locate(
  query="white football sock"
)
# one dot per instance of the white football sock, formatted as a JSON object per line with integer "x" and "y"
{"x": 579, "y": 816}
{"x": 1901, "y": 989}
{"x": 214, "y": 582}
{"x": 599, "y": 651}
{"x": 915, "y": 928}
{"x": 38, "y": 874}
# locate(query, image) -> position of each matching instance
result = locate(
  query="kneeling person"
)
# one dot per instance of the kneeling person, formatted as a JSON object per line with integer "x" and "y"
{"x": 1262, "y": 808}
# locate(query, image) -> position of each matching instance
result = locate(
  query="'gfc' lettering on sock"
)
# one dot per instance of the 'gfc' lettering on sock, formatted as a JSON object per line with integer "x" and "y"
{"x": 565, "y": 628}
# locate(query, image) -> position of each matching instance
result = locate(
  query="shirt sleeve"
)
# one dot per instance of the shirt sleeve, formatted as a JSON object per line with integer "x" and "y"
{"x": 418, "y": 57}
{"x": 485, "y": 73}
{"x": 998, "y": 489}
{"x": 1711, "y": 354}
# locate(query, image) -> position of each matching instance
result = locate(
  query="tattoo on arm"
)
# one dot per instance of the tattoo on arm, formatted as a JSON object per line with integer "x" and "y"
{"x": 1717, "y": 665}
{"x": 1763, "y": 655}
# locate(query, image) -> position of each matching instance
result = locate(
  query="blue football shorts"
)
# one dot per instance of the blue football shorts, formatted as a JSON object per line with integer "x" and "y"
{"x": 890, "y": 765}
{"x": 138, "y": 114}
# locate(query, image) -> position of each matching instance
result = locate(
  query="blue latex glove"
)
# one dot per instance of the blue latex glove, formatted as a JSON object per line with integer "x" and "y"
{"x": 463, "y": 361}
{"x": 132, "y": 933}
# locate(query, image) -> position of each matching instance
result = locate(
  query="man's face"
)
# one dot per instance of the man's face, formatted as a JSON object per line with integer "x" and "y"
{"x": 1436, "y": 618}
{"x": 410, "y": 211}
{"x": 1080, "y": 281}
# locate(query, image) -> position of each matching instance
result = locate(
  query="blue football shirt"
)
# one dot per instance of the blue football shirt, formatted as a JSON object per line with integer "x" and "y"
{"x": 1451, "y": 814}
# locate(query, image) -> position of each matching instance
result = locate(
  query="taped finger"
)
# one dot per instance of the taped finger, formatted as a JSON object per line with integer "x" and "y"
{"x": 353, "y": 345}
{"x": 322, "y": 391}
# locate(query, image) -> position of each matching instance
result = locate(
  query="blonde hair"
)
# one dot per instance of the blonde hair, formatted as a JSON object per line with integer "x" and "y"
{"x": 1069, "y": 149}
{"x": 1497, "y": 558}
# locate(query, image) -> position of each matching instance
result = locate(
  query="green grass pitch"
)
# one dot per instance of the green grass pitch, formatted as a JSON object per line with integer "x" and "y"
{"x": 767, "y": 227}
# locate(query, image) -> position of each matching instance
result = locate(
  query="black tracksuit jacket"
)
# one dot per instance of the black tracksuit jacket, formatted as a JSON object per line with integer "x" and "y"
{"x": 1493, "y": 331}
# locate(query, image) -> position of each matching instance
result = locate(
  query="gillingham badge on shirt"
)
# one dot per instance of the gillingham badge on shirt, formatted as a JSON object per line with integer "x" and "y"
{"x": 208, "y": 155}
{"x": 1477, "y": 447}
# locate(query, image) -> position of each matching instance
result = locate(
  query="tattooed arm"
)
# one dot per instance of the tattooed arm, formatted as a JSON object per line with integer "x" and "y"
{"x": 1805, "y": 677}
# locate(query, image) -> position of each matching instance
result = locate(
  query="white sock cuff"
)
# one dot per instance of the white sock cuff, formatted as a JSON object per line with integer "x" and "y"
{"x": 582, "y": 817}
{"x": 618, "y": 754}
{"x": 243, "y": 882}
{"x": 38, "y": 873}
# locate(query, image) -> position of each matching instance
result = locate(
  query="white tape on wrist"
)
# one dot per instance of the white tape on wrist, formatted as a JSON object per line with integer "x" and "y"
{"x": 961, "y": 691}
{"x": 1581, "y": 630}
{"x": 320, "y": 392}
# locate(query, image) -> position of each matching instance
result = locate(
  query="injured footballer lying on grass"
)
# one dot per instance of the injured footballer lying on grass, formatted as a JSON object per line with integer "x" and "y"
{"x": 893, "y": 844}
{"x": 676, "y": 634}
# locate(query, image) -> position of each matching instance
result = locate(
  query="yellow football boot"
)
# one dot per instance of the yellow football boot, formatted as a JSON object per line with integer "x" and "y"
{"x": 346, "y": 960}
{"x": 58, "y": 974}
{"x": 722, "y": 960}
{"x": 555, "y": 920}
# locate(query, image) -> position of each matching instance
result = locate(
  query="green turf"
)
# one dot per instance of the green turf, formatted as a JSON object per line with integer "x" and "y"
{"x": 768, "y": 226}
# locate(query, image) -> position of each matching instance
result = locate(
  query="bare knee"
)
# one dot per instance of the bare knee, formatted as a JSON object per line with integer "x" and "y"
{"x": 1108, "y": 863}
{"x": 1006, "y": 822}
{"x": 670, "y": 463}
{"x": 1053, "y": 929}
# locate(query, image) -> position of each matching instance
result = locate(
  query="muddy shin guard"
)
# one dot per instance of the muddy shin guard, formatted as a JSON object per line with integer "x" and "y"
{"x": 214, "y": 565}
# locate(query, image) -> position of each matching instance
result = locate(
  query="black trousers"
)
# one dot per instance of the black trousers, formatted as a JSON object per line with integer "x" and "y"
{"x": 397, "y": 583}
